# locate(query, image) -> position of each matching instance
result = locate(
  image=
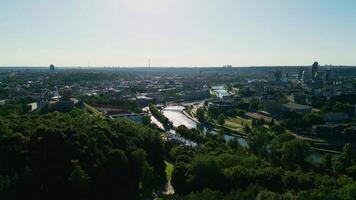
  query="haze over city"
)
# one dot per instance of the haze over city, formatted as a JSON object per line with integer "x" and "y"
{"x": 178, "y": 99}
{"x": 177, "y": 33}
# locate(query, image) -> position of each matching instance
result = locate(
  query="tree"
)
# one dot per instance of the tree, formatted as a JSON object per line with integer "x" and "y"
{"x": 200, "y": 114}
{"x": 206, "y": 194}
{"x": 234, "y": 144}
{"x": 238, "y": 176}
{"x": 221, "y": 119}
{"x": 200, "y": 167}
{"x": 254, "y": 104}
{"x": 68, "y": 155}
{"x": 213, "y": 112}
{"x": 116, "y": 175}
{"x": 295, "y": 152}
{"x": 327, "y": 161}
{"x": 179, "y": 178}
{"x": 277, "y": 145}
{"x": 247, "y": 129}
{"x": 277, "y": 128}
{"x": 266, "y": 195}
{"x": 146, "y": 120}
{"x": 348, "y": 155}
{"x": 313, "y": 118}
{"x": 79, "y": 182}
{"x": 341, "y": 107}
{"x": 79, "y": 177}
{"x": 258, "y": 141}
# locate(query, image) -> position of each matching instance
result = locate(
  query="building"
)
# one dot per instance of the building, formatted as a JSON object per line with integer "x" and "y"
{"x": 300, "y": 73}
{"x": 350, "y": 133}
{"x": 51, "y": 67}
{"x": 297, "y": 108}
{"x": 136, "y": 117}
{"x": 109, "y": 110}
{"x": 315, "y": 70}
{"x": 279, "y": 110}
{"x": 328, "y": 75}
{"x": 222, "y": 105}
{"x": 333, "y": 117}
{"x": 327, "y": 130}
{"x": 278, "y": 75}
{"x": 299, "y": 98}
{"x": 194, "y": 95}
{"x": 67, "y": 92}
{"x": 61, "y": 106}
{"x": 144, "y": 100}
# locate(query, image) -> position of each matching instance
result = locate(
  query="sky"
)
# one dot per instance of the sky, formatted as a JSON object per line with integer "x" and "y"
{"x": 197, "y": 33}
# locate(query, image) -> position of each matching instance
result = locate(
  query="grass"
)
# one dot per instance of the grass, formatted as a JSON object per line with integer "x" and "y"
{"x": 93, "y": 110}
{"x": 236, "y": 122}
{"x": 169, "y": 170}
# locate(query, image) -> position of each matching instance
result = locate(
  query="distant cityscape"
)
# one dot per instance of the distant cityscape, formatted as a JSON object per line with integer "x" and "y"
{"x": 178, "y": 121}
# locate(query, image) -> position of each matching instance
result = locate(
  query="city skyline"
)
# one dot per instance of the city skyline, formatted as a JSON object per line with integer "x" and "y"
{"x": 177, "y": 33}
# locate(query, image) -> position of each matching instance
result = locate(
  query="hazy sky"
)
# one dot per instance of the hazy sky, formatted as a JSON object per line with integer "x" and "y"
{"x": 177, "y": 32}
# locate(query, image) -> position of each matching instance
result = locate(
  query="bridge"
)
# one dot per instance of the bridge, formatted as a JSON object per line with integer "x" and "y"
{"x": 173, "y": 107}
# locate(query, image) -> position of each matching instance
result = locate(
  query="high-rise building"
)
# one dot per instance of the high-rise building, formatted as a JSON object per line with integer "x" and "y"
{"x": 300, "y": 73}
{"x": 278, "y": 75}
{"x": 315, "y": 69}
{"x": 328, "y": 77}
{"x": 67, "y": 92}
{"x": 51, "y": 67}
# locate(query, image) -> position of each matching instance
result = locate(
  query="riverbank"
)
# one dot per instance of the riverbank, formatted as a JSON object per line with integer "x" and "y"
{"x": 178, "y": 116}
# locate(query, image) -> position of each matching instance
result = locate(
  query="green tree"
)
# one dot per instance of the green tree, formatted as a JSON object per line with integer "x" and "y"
{"x": 313, "y": 118}
{"x": 295, "y": 152}
{"x": 327, "y": 161}
{"x": 201, "y": 166}
{"x": 79, "y": 177}
{"x": 179, "y": 178}
{"x": 267, "y": 195}
{"x": 221, "y": 119}
{"x": 200, "y": 114}
{"x": 79, "y": 182}
{"x": 348, "y": 155}
{"x": 258, "y": 142}
{"x": 146, "y": 120}
{"x": 213, "y": 112}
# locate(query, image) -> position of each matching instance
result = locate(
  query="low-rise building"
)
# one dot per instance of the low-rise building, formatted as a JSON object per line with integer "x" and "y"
{"x": 222, "y": 105}
{"x": 327, "y": 130}
{"x": 334, "y": 117}
{"x": 279, "y": 109}
{"x": 298, "y": 98}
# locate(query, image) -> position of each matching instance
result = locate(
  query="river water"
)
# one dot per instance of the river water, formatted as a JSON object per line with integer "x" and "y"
{"x": 176, "y": 116}
{"x": 220, "y": 91}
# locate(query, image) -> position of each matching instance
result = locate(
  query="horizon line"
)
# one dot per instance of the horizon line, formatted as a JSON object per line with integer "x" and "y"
{"x": 223, "y": 66}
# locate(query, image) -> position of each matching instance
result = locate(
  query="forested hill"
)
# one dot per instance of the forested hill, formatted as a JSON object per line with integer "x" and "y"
{"x": 75, "y": 156}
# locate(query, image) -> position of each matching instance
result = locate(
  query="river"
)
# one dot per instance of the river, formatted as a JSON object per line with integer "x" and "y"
{"x": 176, "y": 116}
{"x": 220, "y": 91}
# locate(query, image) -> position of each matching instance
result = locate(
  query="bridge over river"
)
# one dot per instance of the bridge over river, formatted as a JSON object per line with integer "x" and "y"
{"x": 174, "y": 112}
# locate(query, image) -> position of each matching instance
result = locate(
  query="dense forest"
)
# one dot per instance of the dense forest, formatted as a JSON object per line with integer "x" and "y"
{"x": 73, "y": 155}
{"x": 77, "y": 156}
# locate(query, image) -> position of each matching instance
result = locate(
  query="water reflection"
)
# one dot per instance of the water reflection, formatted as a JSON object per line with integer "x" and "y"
{"x": 242, "y": 141}
{"x": 220, "y": 91}
{"x": 176, "y": 116}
